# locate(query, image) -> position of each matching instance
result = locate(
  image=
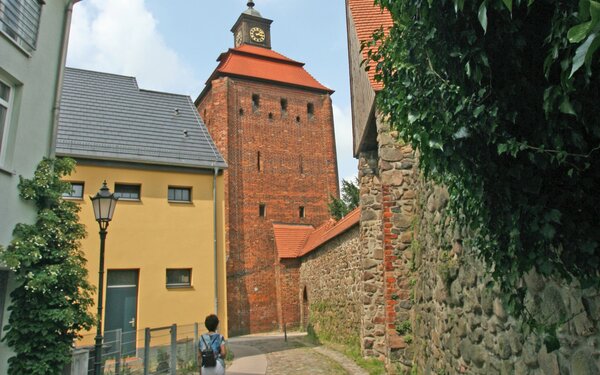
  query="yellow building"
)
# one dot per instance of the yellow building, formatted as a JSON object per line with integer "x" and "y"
{"x": 165, "y": 254}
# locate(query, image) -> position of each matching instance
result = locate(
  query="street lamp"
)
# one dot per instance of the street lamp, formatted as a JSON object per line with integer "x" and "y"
{"x": 104, "y": 203}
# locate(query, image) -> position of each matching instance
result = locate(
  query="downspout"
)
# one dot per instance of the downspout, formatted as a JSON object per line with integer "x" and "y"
{"x": 62, "y": 60}
{"x": 216, "y": 170}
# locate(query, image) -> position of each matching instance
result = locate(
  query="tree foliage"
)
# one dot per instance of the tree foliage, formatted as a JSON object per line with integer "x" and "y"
{"x": 500, "y": 97}
{"x": 51, "y": 302}
{"x": 340, "y": 207}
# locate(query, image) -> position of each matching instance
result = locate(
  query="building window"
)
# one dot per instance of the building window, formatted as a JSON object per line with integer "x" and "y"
{"x": 284, "y": 106}
{"x": 180, "y": 194}
{"x": 179, "y": 277}
{"x": 255, "y": 102}
{"x": 298, "y": 119}
{"x": 301, "y": 164}
{"x": 270, "y": 116}
{"x": 301, "y": 212}
{"x": 258, "y": 161}
{"x": 310, "y": 110}
{"x": 76, "y": 191}
{"x": 262, "y": 210}
{"x": 128, "y": 191}
{"x": 19, "y": 20}
{"x": 5, "y": 104}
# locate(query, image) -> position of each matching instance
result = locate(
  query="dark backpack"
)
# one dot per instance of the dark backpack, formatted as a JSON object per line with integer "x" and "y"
{"x": 209, "y": 357}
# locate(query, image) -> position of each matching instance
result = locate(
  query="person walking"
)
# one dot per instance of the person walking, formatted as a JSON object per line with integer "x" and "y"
{"x": 212, "y": 350}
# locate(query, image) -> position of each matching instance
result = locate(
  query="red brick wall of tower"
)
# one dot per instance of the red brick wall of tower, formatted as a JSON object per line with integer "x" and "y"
{"x": 283, "y": 160}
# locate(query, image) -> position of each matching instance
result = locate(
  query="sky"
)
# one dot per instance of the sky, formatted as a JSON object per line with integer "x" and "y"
{"x": 172, "y": 46}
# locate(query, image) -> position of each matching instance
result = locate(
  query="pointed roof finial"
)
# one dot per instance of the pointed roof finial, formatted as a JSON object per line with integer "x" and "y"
{"x": 251, "y": 11}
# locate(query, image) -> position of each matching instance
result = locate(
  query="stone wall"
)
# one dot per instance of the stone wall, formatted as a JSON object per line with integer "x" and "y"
{"x": 425, "y": 303}
{"x": 460, "y": 326}
{"x": 331, "y": 285}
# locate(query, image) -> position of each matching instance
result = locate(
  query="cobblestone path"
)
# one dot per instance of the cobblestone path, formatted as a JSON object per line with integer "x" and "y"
{"x": 294, "y": 357}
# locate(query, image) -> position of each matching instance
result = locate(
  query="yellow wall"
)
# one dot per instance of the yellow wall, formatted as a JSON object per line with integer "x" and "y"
{"x": 152, "y": 235}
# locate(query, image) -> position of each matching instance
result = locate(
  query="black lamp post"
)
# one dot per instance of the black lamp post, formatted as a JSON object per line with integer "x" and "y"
{"x": 104, "y": 203}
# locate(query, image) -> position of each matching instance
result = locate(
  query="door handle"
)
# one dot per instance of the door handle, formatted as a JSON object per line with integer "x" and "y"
{"x": 132, "y": 322}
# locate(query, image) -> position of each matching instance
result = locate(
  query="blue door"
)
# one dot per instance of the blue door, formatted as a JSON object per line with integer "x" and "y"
{"x": 121, "y": 312}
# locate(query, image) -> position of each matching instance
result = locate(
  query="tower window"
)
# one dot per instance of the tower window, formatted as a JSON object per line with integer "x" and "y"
{"x": 258, "y": 161}
{"x": 310, "y": 110}
{"x": 284, "y": 106}
{"x": 241, "y": 112}
{"x": 301, "y": 164}
{"x": 270, "y": 116}
{"x": 255, "y": 102}
{"x": 301, "y": 212}
{"x": 262, "y": 210}
{"x": 298, "y": 119}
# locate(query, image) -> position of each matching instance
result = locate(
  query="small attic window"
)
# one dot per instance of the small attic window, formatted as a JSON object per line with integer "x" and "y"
{"x": 255, "y": 102}
{"x": 310, "y": 110}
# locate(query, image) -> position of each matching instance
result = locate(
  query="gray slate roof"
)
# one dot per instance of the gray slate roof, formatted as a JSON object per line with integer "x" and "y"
{"x": 106, "y": 116}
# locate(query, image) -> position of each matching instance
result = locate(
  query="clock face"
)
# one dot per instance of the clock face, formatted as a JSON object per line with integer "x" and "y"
{"x": 238, "y": 38}
{"x": 257, "y": 34}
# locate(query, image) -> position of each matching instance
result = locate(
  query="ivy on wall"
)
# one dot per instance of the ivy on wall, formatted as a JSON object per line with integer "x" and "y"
{"x": 51, "y": 302}
{"x": 500, "y": 98}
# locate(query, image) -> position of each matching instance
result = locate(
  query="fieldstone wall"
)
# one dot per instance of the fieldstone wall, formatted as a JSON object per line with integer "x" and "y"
{"x": 460, "y": 326}
{"x": 331, "y": 287}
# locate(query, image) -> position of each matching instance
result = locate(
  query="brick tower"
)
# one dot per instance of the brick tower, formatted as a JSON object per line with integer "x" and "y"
{"x": 273, "y": 122}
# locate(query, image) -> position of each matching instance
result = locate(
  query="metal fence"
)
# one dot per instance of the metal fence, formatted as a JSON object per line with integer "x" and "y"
{"x": 169, "y": 350}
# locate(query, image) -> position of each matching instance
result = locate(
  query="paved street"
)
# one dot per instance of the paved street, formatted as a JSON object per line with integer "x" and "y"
{"x": 271, "y": 355}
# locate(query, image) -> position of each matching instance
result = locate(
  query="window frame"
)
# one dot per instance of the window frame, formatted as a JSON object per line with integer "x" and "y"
{"x": 72, "y": 197}
{"x": 121, "y": 198}
{"x": 262, "y": 210}
{"x": 301, "y": 212}
{"x": 188, "y": 188}
{"x": 189, "y": 284}
{"x": 25, "y": 17}
{"x": 5, "y": 125}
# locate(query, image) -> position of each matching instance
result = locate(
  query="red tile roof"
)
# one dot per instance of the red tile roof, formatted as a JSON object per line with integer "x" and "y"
{"x": 290, "y": 238}
{"x": 294, "y": 241}
{"x": 367, "y": 19}
{"x": 265, "y": 64}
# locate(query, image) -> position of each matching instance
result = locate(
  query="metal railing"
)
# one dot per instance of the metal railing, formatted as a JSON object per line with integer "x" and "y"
{"x": 170, "y": 350}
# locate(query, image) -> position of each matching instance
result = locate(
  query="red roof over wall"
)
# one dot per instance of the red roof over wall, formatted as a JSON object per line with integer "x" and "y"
{"x": 265, "y": 64}
{"x": 294, "y": 241}
{"x": 368, "y": 18}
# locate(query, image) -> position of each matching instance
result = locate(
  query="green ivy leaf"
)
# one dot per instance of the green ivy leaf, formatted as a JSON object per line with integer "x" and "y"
{"x": 566, "y": 107}
{"x": 508, "y": 4}
{"x": 482, "y": 16}
{"x": 578, "y": 33}
{"x": 581, "y": 53}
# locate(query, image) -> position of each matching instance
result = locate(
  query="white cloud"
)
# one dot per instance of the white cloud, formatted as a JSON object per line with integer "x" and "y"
{"x": 121, "y": 37}
{"x": 347, "y": 164}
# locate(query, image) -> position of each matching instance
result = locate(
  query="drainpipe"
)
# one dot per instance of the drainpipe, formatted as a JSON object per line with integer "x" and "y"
{"x": 216, "y": 170}
{"x": 62, "y": 60}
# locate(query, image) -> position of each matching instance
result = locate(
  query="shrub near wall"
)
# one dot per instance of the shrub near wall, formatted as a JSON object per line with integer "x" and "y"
{"x": 332, "y": 278}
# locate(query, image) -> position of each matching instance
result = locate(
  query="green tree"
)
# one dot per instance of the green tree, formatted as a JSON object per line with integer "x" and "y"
{"x": 339, "y": 207}
{"x": 493, "y": 96}
{"x": 51, "y": 302}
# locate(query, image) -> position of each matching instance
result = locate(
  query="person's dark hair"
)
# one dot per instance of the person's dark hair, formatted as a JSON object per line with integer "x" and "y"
{"x": 211, "y": 322}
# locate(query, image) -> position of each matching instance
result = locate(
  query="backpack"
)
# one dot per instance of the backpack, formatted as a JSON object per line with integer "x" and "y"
{"x": 209, "y": 356}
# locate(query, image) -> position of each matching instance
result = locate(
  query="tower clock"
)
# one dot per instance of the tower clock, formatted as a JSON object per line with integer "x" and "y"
{"x": 252, "y": 28}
